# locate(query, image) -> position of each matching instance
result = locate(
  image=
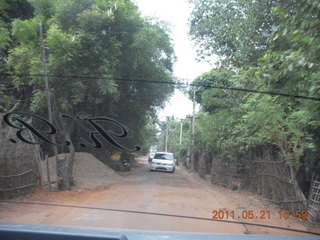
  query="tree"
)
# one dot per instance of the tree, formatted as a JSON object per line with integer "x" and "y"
{"x": 285, "y": 60}
{"x": 9, "y": 10}
{"x": 94, "y": 49}
{"x": 287, "y": 63}
{"x": 236, "y": 31}
{"x": 174, "y": 126}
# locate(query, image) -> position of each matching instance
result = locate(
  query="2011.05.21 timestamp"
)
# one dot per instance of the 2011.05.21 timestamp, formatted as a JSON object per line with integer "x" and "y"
{"x": 262, "y": 214}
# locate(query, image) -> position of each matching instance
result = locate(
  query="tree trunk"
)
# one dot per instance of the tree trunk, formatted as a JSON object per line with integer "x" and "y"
{"x": 299, "y": 194}
{"x": 70, "y": 160}
{"x": 37, "y": 152}
{"x": 1, "y": 137}
{"x": 213, "y": 171}
{"x": 63, "y": 168}
{"x": 202, "y": 165}
{"x": 63, "y": 173}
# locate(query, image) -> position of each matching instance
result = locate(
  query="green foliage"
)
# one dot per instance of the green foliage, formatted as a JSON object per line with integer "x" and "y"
{"x": 4, "y": 36}
{"x": 9, "y": 11}
{"x": 26, "y": 31}
{"x": 103, "y": 41}
{"x": 289, "y": 63}
{"x": 212, "y": 99}
{"x": 149, "y": 138}
{"x": 236, "y": 31}
{"x": 174, "y": 127}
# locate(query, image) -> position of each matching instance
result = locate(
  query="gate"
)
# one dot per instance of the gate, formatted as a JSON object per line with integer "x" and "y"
{"x": 314, "y": 199}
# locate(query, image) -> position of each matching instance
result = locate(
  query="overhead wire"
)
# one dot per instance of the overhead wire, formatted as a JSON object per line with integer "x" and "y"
{"x": 178, "y": 84}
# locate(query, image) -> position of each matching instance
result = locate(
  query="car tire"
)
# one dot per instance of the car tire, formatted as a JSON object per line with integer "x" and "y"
{"x": 151, "y": 170}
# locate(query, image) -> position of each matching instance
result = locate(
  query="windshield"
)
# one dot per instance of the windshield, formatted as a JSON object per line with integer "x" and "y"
{"x": 228, "y": 91}
{"x": 163, "y": 156}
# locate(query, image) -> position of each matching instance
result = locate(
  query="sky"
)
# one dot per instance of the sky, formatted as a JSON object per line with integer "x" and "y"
{"x": 176, "y": 13}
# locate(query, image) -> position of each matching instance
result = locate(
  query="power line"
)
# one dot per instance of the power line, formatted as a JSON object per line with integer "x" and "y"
{"x": 159, "y": 214}
{"x": 176, "y": 84}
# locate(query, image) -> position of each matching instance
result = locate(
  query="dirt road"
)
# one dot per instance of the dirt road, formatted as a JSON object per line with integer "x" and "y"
{"x": 179, "y": 193}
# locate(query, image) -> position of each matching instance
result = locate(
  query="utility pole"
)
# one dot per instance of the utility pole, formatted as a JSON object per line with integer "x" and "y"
{"x": 193, "y": 118}
{"x": 46, "y": 82}
{"x": 167, "y": 133}
{"x": 44, "y": 64}
{"x": 180, "y": 142}
{"x": 192, "y": 130}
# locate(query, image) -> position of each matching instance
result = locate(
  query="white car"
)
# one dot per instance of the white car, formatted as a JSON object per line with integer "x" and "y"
{"x": 163, "y": 161}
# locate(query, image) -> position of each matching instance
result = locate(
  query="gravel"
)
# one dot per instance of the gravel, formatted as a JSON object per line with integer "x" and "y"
{"x": 88, "y": 172}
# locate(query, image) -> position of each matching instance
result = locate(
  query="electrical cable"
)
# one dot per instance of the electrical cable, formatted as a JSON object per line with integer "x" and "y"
{"x": 159, "y": 214}
{"x": 178, "y": 84}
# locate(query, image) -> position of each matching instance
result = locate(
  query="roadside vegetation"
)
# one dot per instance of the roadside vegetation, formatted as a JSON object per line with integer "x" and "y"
{"x": 101, "y": 57}
{"x": 93, "y": 51}
{"x": 270, "y": 46}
